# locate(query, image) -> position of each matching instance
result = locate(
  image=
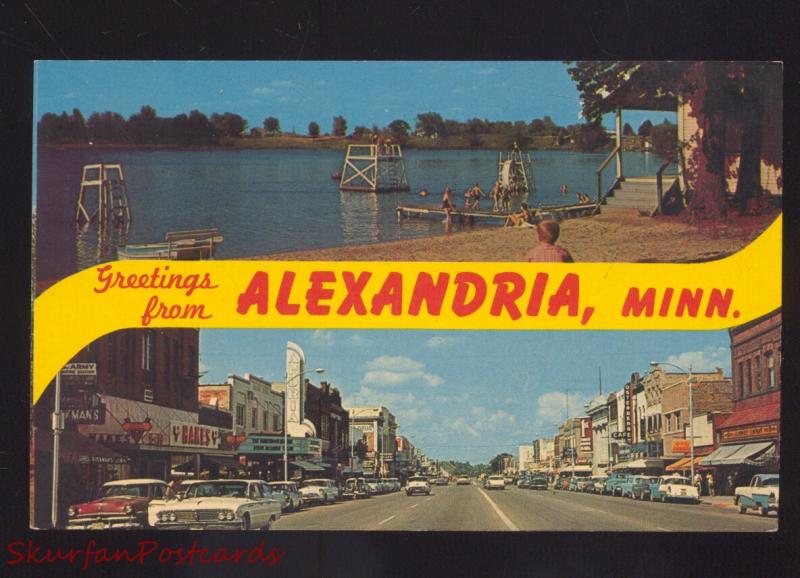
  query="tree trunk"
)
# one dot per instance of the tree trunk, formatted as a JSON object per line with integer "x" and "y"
{"x": 707, "y": 161}
{"x": 751, "y": 111}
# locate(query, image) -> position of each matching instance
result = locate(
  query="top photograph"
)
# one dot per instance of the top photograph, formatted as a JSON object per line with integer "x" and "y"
{"x": 542, "y": 161}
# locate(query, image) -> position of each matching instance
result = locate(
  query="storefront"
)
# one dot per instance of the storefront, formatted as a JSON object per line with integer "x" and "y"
{"x": 263, "y": 454}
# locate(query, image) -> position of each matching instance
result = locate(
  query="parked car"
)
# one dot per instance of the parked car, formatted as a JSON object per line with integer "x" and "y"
{"x": 495, "y": 483}
{"x": 539, "y": 483}
{"x": 355, "y": 488}
{"x": 319, "y": 491}
{"x": 524, "y": 483}
{"x": 508, "y": 480}
{"x": 463, "y": 481}
{"x": 562, "y": 483}
{"x": 640, "y": 489}
{"x": 294, "y": 499}
{"x": 418, "y": 485}
{"x": 583, "y": 483}
{"x": 763, "y": 494}
{"x": 612, "y": 485}
{"x": 122, "y": 504}
{"x": 442, "y": 481}
{"x": 394, "y": 484}
{"x": 677, "y": 488}
{"x": 220, "y": 505}
{"x": 626, "y": 487}
{"x": 598, "y": 484}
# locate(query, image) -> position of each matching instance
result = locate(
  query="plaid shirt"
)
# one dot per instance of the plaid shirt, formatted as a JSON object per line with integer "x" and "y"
{"x": 545, "y": 253}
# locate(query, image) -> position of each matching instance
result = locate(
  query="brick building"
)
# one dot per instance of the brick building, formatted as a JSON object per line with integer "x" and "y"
{"x": 749, "y": 439}
{"x": 711, "y": 393}
{"x": 323, "y": 407}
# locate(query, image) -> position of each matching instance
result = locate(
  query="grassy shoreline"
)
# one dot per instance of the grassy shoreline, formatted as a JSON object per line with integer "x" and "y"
{"x": 493, "y": 142}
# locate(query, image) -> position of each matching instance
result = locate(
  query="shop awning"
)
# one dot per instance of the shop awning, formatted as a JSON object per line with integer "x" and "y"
{"x": 207, "y": 462}
{"x": 681, "y": 464}
{"x": 76, "y": 448}
{"x": 308, "y": 466}
{"x": 641, "y": 464}
{"x": 737, "y": 454}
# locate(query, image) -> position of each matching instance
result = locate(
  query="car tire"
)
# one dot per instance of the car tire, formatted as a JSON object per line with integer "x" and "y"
{"x": 268, "y": 526}
{"x": 742, "y": 509}
{"x": 246, "y": 522}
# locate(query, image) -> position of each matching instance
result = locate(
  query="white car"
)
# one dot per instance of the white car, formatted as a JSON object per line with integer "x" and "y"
{"x": 418, "y": 485}
{"x": 763, "y": 494}
{"x": 495, "y": 483}
{"x": 678, "y": 488}
{"x": 219, "y": 505}
{"x": 319, "y": 491}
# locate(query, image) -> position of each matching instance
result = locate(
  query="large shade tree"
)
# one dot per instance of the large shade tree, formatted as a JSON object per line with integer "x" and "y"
{"x": 721, "y": 95}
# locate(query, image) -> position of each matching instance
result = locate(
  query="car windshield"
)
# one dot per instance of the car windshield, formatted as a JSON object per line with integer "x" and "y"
{"x": 136, "y": 490}
{"x": 281, "y": 486}
{"x": 217, "y": 489}
{"x": 495, "y": 477}
{"x": 417, "y": 479}
{"x": 770, "y": 481}
{"x": 314, "y": 483}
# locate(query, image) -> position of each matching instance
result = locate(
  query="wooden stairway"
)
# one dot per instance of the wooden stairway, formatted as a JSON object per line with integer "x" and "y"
{"x": 639, "y": 193}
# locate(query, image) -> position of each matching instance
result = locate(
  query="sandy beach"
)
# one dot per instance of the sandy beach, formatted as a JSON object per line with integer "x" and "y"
{"x": 620, "y": 236}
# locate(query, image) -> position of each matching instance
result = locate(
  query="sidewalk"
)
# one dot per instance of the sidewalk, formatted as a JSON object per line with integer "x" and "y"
{"x": 725, "y": 502}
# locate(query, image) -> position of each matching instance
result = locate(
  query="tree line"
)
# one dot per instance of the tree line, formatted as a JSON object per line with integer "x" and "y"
{"x": 196, "y": 129}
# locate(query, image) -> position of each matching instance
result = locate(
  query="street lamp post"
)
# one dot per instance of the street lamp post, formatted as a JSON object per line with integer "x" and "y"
{"x": 286, "y": 421}
{"x": 691, "y": 411}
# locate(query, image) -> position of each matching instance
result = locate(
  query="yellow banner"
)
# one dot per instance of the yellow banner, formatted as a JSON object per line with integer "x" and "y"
{"x": 402, "y": 295}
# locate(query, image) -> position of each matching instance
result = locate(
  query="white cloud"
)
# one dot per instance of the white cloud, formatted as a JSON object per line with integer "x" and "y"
{"x": 395, "y": 378}
{"x": 282, "y": 83}
{"x": 359, "y": 340}
{"x": 439, "y": 340}
{"x": 551, "y": 407}
{"x": 461, "y": 425}
{"x": 394, "y": 363}
{"x": 700, "y": 361}
{"x": 323, "y": 338}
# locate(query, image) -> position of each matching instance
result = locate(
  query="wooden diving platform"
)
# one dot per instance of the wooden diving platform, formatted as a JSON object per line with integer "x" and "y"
{"x": 559, "y": 212}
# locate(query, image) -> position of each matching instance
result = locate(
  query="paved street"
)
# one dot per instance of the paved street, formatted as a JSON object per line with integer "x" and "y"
{"x": 470, "y": 508}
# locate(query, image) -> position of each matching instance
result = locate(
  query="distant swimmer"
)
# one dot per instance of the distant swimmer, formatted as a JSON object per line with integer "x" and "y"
{"x": 564, "y": 190}
{"x": 583, "y": 199}
{"x": 423, "y": 193}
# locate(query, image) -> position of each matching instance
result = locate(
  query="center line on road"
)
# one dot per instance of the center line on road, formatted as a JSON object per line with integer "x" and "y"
{"x": 499, "y": 512}
{"x": 414, "y": 506}
{"x": 386, "y": 520}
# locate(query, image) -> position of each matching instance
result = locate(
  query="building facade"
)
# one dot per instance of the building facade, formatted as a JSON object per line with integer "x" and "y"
{"x": 323, "y": 407}
{"x": 379, "y": 427}
{"x": 525, "y": 458}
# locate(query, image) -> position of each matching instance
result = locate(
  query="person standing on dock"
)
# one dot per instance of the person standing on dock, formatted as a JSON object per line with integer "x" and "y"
{"x": 496, "y": 196}
{"x": 477, "y": 193}
{"x": 547, "y": 251}
{"x": 506, "y": 195}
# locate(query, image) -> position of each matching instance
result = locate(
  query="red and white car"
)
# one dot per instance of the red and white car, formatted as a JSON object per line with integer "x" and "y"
{"x": 122, "y": 505}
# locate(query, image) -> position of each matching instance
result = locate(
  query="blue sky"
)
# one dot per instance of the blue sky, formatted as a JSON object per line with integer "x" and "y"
{"x": 365, "y": 93}
{"x": 465, "y": 395}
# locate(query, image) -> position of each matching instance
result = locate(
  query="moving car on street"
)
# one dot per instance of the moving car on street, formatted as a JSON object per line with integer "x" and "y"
{"x": 418, "y": 485}
{"x": 539, "y": 483}
{"x": 122, "y": 504}
{"x": 463, "y": 481}
{"x": 220, "y": 505}
{"x": 319, "y": 491}
{"x": 677, "y": 488}
{"x": 763, "y": 494}
{"x": 294, "y": 499}
{"x": 495, "y": 483}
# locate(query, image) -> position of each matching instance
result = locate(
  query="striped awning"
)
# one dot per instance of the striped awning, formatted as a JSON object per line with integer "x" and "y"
{"x": 737, "y": 454}
{"x": 308, "y": 466}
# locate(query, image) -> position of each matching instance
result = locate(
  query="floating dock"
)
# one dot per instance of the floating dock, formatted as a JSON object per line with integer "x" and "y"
{"x": 559, "y": 212}
{"x": 177, "y": 245}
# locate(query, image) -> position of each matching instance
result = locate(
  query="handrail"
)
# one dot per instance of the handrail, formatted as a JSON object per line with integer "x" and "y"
{"x": 599, "y": 172}
{"x": 659, "y": 184}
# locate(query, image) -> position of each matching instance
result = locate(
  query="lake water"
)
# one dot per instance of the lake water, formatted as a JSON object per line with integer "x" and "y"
{"x": 268, "y": 201}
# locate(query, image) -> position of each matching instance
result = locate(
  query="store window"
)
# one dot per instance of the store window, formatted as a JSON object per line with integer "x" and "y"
{"x": 240, "y": 414}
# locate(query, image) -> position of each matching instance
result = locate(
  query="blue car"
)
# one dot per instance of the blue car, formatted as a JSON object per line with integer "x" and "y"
{"x": 615, "y": 479}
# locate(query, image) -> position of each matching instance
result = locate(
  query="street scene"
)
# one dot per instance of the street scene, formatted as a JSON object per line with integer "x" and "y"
{"x": 405, "y": 441}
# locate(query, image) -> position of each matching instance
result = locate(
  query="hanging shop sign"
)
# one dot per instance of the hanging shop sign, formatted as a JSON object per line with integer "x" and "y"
{"x": 193, "y": 435}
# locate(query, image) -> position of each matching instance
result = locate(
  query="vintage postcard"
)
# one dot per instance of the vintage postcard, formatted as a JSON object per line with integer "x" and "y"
{"x": 459, "y": 296}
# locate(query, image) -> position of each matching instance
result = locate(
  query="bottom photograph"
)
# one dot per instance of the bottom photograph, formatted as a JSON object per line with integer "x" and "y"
{"x": 359, "y": 430}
